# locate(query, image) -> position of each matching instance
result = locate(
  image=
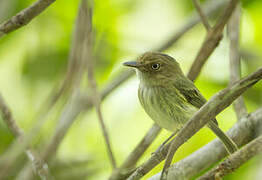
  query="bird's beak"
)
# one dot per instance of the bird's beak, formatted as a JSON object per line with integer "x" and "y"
{"x": 132, "y": 64}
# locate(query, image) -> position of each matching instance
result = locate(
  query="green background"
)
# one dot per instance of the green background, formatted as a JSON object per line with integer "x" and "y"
{"x": 34, "y": 59}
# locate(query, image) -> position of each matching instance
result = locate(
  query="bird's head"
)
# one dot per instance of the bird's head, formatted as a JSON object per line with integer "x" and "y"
{"x": 155, "y": 68}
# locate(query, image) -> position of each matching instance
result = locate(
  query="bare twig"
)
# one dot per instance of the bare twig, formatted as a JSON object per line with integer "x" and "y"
{"x": 235, "y": 160}
{"x": 242, "y": 132}
{"x": 128, "y": 165}
{"x": 209, "y": 8}
{"x": 235, "y": 64}
{"x": 212, "y": 40}
{"x": 96, "y": 99}
{"x": 201, "y": 14}
{"x": 97, "y": 102}
{"x": 24, "y": 16}
{"x": 215, "y": 105}
{"x": 40, "y": 167}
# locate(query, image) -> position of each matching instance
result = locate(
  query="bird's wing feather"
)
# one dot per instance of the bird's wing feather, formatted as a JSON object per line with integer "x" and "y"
{"x": 191, "y": 93}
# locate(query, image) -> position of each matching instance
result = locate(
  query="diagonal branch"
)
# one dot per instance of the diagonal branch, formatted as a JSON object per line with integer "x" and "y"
{"x": 209, "y": 8}
{"x": 128, "y": 166}
{"x": 212, "y": 39}
{"x": 40, "y": 167}
{"x": 24, "y": 16}
{"x": 201, "y": 14}
{"x": 215, "y": 105}
{"x": 235, "y": 160}
{"x": 235, "y": 64}
{"x": 242, "y": 132}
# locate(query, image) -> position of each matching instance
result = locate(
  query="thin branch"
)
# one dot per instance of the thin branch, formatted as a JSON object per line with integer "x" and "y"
{"x": 215, "y": 105}
{"x": 242, "y": 132}
{"x": 96, "y": 99}
{"x": 235, "y": 64}
{"x": 24, "y": 16}
{"x": 235, "y": 160}
{"x": 209, "y": 8}
{"x": 212, "y": 39}
{"x": 128, "y": 166}
{"x": 201, "y": 14}
{"x": 40, "y": 167}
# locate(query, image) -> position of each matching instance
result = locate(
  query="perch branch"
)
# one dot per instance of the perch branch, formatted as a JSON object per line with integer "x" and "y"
{"x": 242, "y": 132}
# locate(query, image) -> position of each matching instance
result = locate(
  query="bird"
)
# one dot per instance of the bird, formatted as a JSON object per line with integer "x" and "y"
{"x": 168, "y": 96}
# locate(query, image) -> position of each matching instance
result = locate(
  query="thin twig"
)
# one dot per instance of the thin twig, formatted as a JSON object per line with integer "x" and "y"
{"x": 127, "y": 166}
{"x": 96, "y": 99}
{"x": 40, "y": 167}
{"x": 235, "y": 63}
{"x": 212, "y": 39}
{"x": 209, "y": 8}
{"x": 235, "y": 160}
{"x": 24, "y": 16}
{"x": 215, "y": 105}
{"x": 201, "y": 14}
{"x": 242, "y": 132}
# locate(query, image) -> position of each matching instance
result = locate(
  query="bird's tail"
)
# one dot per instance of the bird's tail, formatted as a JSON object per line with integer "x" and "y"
{"x": 231, "y": 147}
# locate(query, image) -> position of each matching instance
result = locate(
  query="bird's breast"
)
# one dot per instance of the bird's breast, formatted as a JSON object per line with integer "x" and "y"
{"x": 166, "y": 106}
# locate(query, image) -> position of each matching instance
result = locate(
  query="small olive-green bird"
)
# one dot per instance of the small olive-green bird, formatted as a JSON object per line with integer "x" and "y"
{"x": 168, "y": 96}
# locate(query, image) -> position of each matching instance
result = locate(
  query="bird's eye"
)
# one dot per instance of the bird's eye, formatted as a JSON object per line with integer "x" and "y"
{"x": 155, "y": 66}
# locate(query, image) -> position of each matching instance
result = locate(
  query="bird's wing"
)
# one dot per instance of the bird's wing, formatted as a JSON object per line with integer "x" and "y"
{"x": 191, "y": 93}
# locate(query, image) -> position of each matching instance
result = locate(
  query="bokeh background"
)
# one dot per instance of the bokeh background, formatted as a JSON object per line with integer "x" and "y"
{"x": 33, "y": 60}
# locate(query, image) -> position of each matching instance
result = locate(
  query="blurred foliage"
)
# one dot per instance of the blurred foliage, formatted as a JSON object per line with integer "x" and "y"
{"x": 34, "y": 59}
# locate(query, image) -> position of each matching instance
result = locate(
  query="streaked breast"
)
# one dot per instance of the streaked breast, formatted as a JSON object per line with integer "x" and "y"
{"x": 166, "y": 106}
